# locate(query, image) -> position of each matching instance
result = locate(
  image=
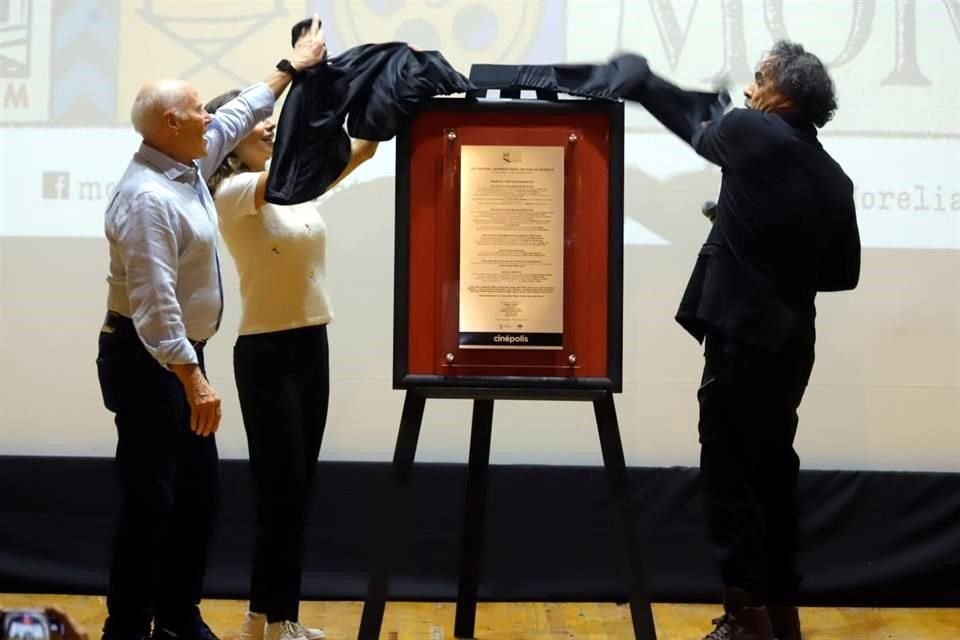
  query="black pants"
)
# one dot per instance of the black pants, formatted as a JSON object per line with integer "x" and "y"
{"x": 169, "y": 485}
{"x": 748, "y": 420}
{"x": 283, "y": 380}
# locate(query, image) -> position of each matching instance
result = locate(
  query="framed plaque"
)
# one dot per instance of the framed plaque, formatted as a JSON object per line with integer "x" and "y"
{"x": 509, "y": 245}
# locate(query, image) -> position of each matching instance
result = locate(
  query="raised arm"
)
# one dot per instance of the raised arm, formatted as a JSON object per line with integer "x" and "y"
{"x": 360, "y": 152}
{"x": 694, "y": 116}
{"x": 238, "y": 196}
{"x": 234, "y": 120}
{"x": 309, "y": 50}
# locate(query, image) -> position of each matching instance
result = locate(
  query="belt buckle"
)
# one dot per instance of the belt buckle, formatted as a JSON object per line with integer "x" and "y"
{"x": 109, "y": 322}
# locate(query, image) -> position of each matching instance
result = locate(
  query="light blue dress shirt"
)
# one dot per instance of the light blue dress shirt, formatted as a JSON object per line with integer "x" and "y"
{"x": 161, "y": 225}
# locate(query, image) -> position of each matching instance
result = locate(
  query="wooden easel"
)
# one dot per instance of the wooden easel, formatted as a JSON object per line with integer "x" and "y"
{"x": 477, "y": 477}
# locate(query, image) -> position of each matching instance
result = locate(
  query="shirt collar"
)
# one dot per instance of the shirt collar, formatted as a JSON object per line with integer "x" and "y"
{"x": 169, "y": 167}
{"x": 799, "y": 122}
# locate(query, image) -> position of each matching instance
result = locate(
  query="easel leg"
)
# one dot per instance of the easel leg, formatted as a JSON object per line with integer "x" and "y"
{"x": 403, "y": 456}
{"x": 616, "y": 467}
{"x": 477, "y": 472}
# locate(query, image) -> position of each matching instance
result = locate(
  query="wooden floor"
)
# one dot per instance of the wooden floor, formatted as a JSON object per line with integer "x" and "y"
{"x": 539, "y": 621}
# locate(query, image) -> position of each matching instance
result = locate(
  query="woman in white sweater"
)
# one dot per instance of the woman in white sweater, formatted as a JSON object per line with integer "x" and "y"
{"x": 281, "y": 366}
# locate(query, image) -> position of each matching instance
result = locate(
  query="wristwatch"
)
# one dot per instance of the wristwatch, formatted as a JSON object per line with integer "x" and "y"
{"x": 285, "y": 66}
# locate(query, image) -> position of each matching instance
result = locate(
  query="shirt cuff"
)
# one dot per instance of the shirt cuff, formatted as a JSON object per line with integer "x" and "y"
{"x": 177, "y": 351}
{"x": 261, "y": 100}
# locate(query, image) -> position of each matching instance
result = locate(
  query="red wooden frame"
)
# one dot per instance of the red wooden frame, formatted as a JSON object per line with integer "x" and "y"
{"x": 433, "y": 237}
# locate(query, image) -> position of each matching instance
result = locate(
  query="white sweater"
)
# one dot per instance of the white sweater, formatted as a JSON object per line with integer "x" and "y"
{"x": 280, "y": 255}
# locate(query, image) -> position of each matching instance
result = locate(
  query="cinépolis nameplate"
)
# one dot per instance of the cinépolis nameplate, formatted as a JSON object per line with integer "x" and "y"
{"x": 511, "y": 247}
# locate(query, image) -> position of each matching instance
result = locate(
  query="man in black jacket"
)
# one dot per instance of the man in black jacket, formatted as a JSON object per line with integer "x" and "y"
{"x": 785, "y": 229}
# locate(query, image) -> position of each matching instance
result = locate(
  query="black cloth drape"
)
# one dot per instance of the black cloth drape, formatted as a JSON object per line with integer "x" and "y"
{"x": 374, "y": 88}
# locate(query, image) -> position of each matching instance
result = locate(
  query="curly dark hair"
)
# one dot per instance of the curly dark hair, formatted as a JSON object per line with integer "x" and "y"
{"x": 231, "y": 163}
{"x": 801, "y": 76}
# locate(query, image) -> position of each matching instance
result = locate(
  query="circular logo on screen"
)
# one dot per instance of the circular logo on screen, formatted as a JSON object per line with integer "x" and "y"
{"x": 464, "y": 31}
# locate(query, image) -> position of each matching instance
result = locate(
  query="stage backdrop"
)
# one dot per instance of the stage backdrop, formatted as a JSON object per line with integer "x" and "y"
{"x": 884, "y": 393}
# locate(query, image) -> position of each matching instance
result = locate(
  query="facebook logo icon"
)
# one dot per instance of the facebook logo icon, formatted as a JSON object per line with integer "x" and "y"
{"x": 56, "y": 185}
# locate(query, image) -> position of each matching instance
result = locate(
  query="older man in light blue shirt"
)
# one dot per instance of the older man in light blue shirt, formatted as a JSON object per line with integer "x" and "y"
{"x": 164, "y": 302}
{"x": 162, "y": 228}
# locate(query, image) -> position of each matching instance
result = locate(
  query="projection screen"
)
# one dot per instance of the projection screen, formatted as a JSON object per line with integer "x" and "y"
{"x": 885, "y": 393}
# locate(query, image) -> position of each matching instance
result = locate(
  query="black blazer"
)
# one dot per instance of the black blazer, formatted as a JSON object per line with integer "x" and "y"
{"x": 785, "y": 226}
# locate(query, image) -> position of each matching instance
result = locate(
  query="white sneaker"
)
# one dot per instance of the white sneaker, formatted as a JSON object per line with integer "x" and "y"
{"x": 289, "y": 630}
{"x": 312, "y": 634}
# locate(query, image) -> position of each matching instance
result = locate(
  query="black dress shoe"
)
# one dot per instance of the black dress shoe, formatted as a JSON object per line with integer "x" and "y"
{"x": 195, "y": 630}
{"x": 743, "y": 618}
{"x": 749, "y": 623}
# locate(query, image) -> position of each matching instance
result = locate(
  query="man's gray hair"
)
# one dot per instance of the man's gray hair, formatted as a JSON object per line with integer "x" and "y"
{"x": 803, "y": 78}
{"x": 153, "y": 100}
